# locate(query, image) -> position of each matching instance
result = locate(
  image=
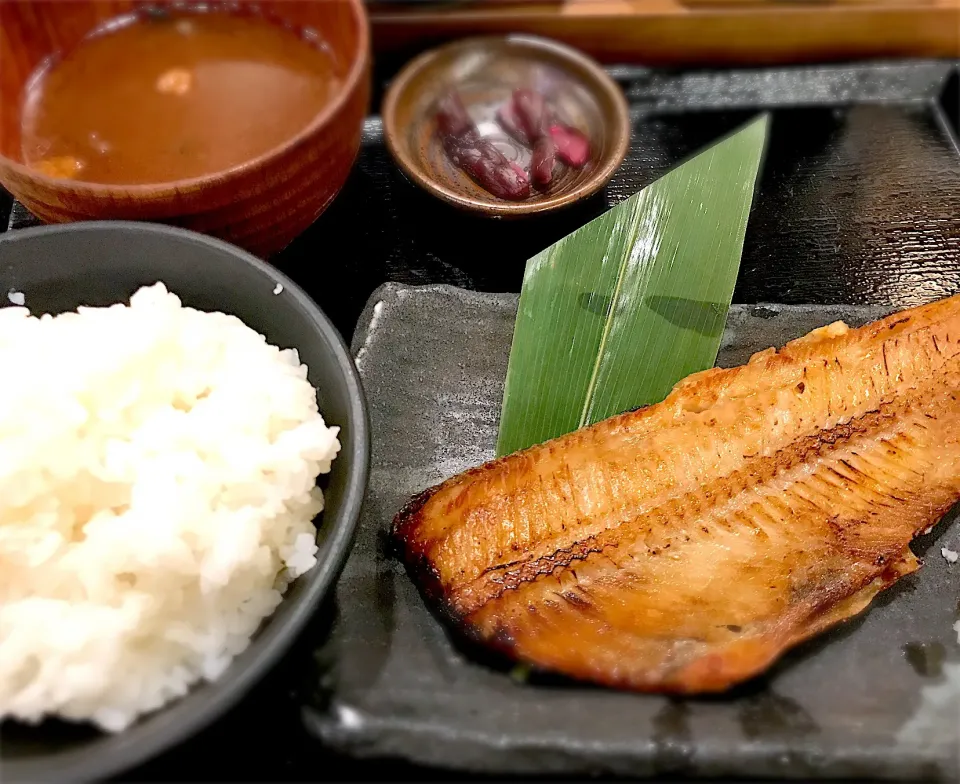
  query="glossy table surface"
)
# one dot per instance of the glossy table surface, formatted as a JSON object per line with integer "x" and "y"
{"x": 859, "y": 203}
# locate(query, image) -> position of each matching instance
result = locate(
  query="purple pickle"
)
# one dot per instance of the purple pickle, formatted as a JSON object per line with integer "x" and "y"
{"x": 543, "y": 160}
{"x": 531, "y": 111}
{"x": 573, "y": 148}
{"x": 476, "y": 156}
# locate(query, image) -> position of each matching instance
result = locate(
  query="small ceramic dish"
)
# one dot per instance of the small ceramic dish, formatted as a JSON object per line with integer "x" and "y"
{"x": 486, "y": 71}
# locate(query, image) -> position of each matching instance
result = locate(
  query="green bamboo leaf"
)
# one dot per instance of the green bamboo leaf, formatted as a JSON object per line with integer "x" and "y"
{"x": 614, "y": 314}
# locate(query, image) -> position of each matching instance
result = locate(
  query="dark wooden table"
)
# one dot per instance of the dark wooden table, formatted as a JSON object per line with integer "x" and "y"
{"x": 859, "y": 203}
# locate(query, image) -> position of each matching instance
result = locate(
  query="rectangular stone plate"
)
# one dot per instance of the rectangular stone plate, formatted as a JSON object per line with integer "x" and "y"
{"x": 878, "y": 697}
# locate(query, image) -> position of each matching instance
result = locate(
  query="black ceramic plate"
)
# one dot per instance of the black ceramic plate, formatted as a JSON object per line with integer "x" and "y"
{"x": 878, "y": 697}
{"x": 98, "y": 264}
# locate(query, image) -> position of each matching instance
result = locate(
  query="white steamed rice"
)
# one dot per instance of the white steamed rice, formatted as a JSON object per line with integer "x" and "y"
{"x": 157, "y": 492}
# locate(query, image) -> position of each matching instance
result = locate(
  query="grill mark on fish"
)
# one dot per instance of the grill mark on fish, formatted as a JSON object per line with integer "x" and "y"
{"x": 576, "y": 600}
{"x": 523, "y": 571}
{"x": 788, "y": 488}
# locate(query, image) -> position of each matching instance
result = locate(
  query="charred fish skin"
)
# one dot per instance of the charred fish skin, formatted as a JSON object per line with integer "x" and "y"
{"x": 419, "y": 567}
{"x": 684, "y": 547}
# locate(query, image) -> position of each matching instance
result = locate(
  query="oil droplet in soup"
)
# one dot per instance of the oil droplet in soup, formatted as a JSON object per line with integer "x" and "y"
{"x": 165, "y": 97}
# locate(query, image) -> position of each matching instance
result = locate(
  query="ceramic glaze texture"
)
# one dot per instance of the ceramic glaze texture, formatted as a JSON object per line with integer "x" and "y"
{"x": 485, "y": 72}
{"x": 847, "y": 704}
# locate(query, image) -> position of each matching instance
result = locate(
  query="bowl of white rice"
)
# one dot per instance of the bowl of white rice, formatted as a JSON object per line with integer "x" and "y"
{"x": 184, "y": 448}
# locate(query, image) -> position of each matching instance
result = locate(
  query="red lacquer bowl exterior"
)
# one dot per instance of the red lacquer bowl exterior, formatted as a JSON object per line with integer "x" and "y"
{"x": 260, "y": 205}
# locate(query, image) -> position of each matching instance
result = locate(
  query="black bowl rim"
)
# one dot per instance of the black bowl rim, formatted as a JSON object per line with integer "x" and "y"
{"x": 183, "y": 718}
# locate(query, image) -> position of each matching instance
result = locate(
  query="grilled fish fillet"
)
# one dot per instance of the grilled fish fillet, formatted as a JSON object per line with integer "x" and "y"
{"x": 683, "y": 547}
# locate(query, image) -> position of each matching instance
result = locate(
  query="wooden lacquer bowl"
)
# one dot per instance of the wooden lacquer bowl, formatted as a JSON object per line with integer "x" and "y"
{"x": 261, "y": 204}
